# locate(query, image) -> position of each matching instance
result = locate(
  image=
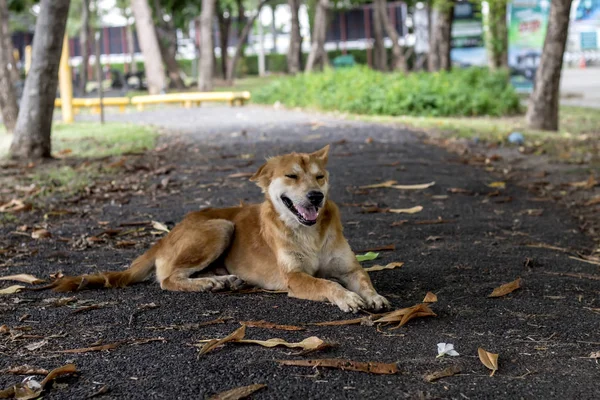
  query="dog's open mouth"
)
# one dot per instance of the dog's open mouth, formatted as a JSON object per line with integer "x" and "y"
{"x": 307, "y": 215}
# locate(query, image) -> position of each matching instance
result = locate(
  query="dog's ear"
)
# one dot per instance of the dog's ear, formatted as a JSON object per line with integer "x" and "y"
{"x": 322, "y": 155}
{"x": 262, "y": 176}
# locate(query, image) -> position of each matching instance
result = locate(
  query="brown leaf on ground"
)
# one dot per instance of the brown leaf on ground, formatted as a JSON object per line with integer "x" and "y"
{"x": 25, "y": 278}
{"x": 459, "y": 191}
{"x": 497, "y": 185}
{"x": 238, "y": 334}
{"x": 159, "y": 226}
{"x": 446, "y": 372}
{"x": 103, "y": 347}
{"x": 430, "y": 298}
{"x": 379, "y": 185}
{"x": 490, "y": 360}
{"x": 103, "y": 390}
{"x": 11, "y": 289}
{"x": 40, "y": 234}
{"x": 414, "y": 187}
{"x": 308, "y": 345}
{"x": 15, "y": 205}
{"x": 507, "y": 288}
{"x": 241, "y": 175}
{"x": 587, "y": 184}
{"x": 412, "y": 210}
{"x": 368, "y": 321}
{"x": 587, "y": 259}
{"x": 271, "y": 325}
{"x": 31, "y": 389}
{"x": 391, "y": 265}
{"x": 125, "y": 243}
{"x": 574, "y": 275}
{"x": 238, "y": 393}
{"x": 345, "y": 365}
{"x": 24, "y": 370}
{"x": 389, "y": 247}
{"x": 592, "y": 202}
{"x": 404, "y": 315}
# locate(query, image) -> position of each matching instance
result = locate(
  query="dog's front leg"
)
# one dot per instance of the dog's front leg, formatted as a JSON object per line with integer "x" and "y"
{"x": 344, "y": 267}
{"x": 303, "y": 286}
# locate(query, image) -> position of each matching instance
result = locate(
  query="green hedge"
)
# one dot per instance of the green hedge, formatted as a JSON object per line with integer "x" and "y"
{"x": 360, "y": 90}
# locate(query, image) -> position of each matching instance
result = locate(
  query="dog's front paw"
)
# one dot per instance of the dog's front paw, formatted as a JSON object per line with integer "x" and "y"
{"x": 376, "y": 302}
{"x": 348, "y": 301}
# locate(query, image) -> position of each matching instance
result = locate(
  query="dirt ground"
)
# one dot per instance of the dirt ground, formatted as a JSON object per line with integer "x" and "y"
{"x": 471, "y": 237}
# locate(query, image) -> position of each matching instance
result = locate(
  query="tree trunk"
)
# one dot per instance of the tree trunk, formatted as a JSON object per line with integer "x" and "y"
{"x": 399, "y": 58}
{"x": 440, "y": 40}
{"x": 273, "y": 29}
{"x": 34, "y": 125}
{"x": 153, "y": 66}
{"x": 84, "y": 45}
{"x": 380, "y": 63}
{"x": 205, "y": 78}
{"x": 6, "y": 42}
{"x": 131, "y": 47}
{"x": 166, "y": 46}
{"x": 542, "y": 112}
{"x": 497, "y": 34}
{"x": 317, "y": 51}
{"x": 224, "y": 27}
{"x": 8, "y": 96}
{"x": 293, "y": 56}
{"x": 232, "y": 64}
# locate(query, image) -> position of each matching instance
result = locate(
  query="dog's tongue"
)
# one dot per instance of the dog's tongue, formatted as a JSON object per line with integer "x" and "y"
{"x": 308, "y": 213}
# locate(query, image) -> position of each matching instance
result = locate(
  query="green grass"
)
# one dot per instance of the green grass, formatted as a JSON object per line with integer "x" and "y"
{"x": 63, "y": 179}
{"x": 250, "y": 84}
{"x": 92, "y": 140}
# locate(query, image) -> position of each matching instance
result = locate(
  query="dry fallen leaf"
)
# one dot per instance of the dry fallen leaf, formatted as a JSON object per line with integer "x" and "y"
{"x": 497, "y": 185}
{"x": 459, "y": 191}
{"x": 430, "y": 298}
{"x": 241, "y": 175}
{"x": 379, "y": 185}
{"x": 92, "y": 348}
{"x": 490, "y": 360}
{"x": 588, "y": 184}
{"x": 309, "y": 344}
{"x": 391, "y": 265}
{"x": 15, "y": 205}
{"x": 31, "y": 389}
{"x": 214, "y": 343}
{"x": 414, "y": 187}
{"x": 25, "y": 278}
{"x": 24, "y": 370}
{"x": 238, "y": 393}
{"x": 159, "y": 226}
{"x": 406, "y": 314}
{"x": 450, "y": 371}
{"x": 271, "y": 325}
{"x": 412, "y": 210}
{"x": 345, "y": 365}
{"x": 12, "y": 289}
{"x": 506, "y": 288}
{"x": 40, "y": 234}
{"x": 36, "y": 345}
{"x": 368, "y": 321}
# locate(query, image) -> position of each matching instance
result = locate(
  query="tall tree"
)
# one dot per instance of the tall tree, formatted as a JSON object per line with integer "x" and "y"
{"x": 7, "y": 42}
{"x": 399, "y": 57}
{"x": 317, "y": 51}
{"x": 207, "y": 66}
{"x": 224, "y": 15}
{"x": 167, "y": 44}
{"x": 295, "y": 49}
{"x": 8, "y": 96}
{"x": 155, "y": 73}
{"x": 440, "y": 38}
{"x": 34, "y": 125}
{"x": 380, "y": 53}
{"x": 231, "y": 67}
{"x": 542, "y": 112}
{"x": 123, "y": 5}
{"x": 497, "y": 34}
{"x": 84, "y": 44}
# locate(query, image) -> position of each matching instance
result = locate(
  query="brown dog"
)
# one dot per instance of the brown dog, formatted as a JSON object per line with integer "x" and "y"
{"x": 291, "y": 241}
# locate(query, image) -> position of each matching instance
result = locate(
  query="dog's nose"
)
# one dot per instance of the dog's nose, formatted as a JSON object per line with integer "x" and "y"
{"x": 315, "y": 197}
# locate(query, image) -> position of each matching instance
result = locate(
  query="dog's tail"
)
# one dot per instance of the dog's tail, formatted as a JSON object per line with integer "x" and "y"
{"x": 139, "y": 270}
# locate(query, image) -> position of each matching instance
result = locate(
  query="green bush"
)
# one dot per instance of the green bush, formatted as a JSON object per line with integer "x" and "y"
{"x": 360, "y": 90}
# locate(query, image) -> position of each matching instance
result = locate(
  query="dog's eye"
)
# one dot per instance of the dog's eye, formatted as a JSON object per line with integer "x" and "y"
{"x": 319, "y": 177}
{"x": 292, "y": 176}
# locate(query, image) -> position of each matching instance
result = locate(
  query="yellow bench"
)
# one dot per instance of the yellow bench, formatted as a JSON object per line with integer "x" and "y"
{"x": 192, "y": 98}
{"x": 94, "y": 103}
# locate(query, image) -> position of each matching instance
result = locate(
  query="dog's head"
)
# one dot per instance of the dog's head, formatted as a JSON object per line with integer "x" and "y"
{"x": 296, "y": 184}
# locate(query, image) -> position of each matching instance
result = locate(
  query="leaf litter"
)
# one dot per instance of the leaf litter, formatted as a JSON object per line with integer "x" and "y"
{"x": 490, "y": 360}
{"x": 403, "y": 315}
{"x": 368, "y": 256}
{"x": 507, "y": 288}
{"x": 391, "y": 265}
{"x": 238, "y": 393}
{"x": 446, "y": 372}
{"x": 31, "y": 389}
{"x": 271, "y": 325}
{"x": 430, "y": 298}
{"x": 371, "y": 367}
{"x": 25, "y": 278}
